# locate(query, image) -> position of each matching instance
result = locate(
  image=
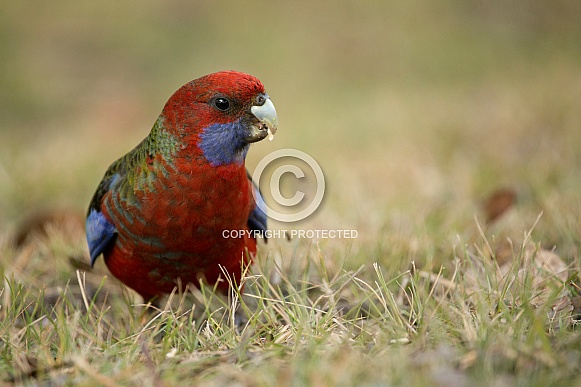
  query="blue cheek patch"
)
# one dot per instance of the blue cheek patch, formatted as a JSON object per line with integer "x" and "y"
{"x": 224, "y": 143}
{"x": 99, "y": 233}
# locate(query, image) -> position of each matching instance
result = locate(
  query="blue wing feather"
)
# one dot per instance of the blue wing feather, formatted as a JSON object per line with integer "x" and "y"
{"x": 99, "y": 233}
{"x": 257, "y": 221}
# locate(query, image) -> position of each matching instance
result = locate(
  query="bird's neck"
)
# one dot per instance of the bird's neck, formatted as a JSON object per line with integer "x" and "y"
{"x": 218, "y": 146}
{"x": 161, "y": 141}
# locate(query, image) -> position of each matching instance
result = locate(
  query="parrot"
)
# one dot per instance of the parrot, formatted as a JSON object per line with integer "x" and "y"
{"x": 160, "y": 213}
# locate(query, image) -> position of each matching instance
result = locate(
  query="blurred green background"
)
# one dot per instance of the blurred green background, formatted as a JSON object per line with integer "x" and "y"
{"x": 415, "y": 110}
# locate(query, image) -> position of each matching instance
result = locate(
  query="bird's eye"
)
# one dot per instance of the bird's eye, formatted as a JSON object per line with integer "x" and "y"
{"x": 260, "y": 100}
{"x": 222, "y": 104}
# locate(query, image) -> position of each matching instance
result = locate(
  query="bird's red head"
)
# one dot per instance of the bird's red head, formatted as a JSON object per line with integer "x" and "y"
{"x": 221, "y": 113}
{"x": 240, "y": 86}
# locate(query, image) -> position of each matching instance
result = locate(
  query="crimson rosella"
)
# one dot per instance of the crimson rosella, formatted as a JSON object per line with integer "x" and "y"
{"x": 161, "y": 211}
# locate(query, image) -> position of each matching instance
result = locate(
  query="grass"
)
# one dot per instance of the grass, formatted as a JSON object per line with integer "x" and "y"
{"x": 417, "y": 112}
{"x": 319, "y": 323}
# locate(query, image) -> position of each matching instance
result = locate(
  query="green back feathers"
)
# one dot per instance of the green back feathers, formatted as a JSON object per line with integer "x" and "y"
{"x": 134, "y": 170}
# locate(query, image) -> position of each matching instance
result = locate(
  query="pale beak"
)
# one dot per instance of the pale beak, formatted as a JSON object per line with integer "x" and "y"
{"x": 266, "y": 115}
